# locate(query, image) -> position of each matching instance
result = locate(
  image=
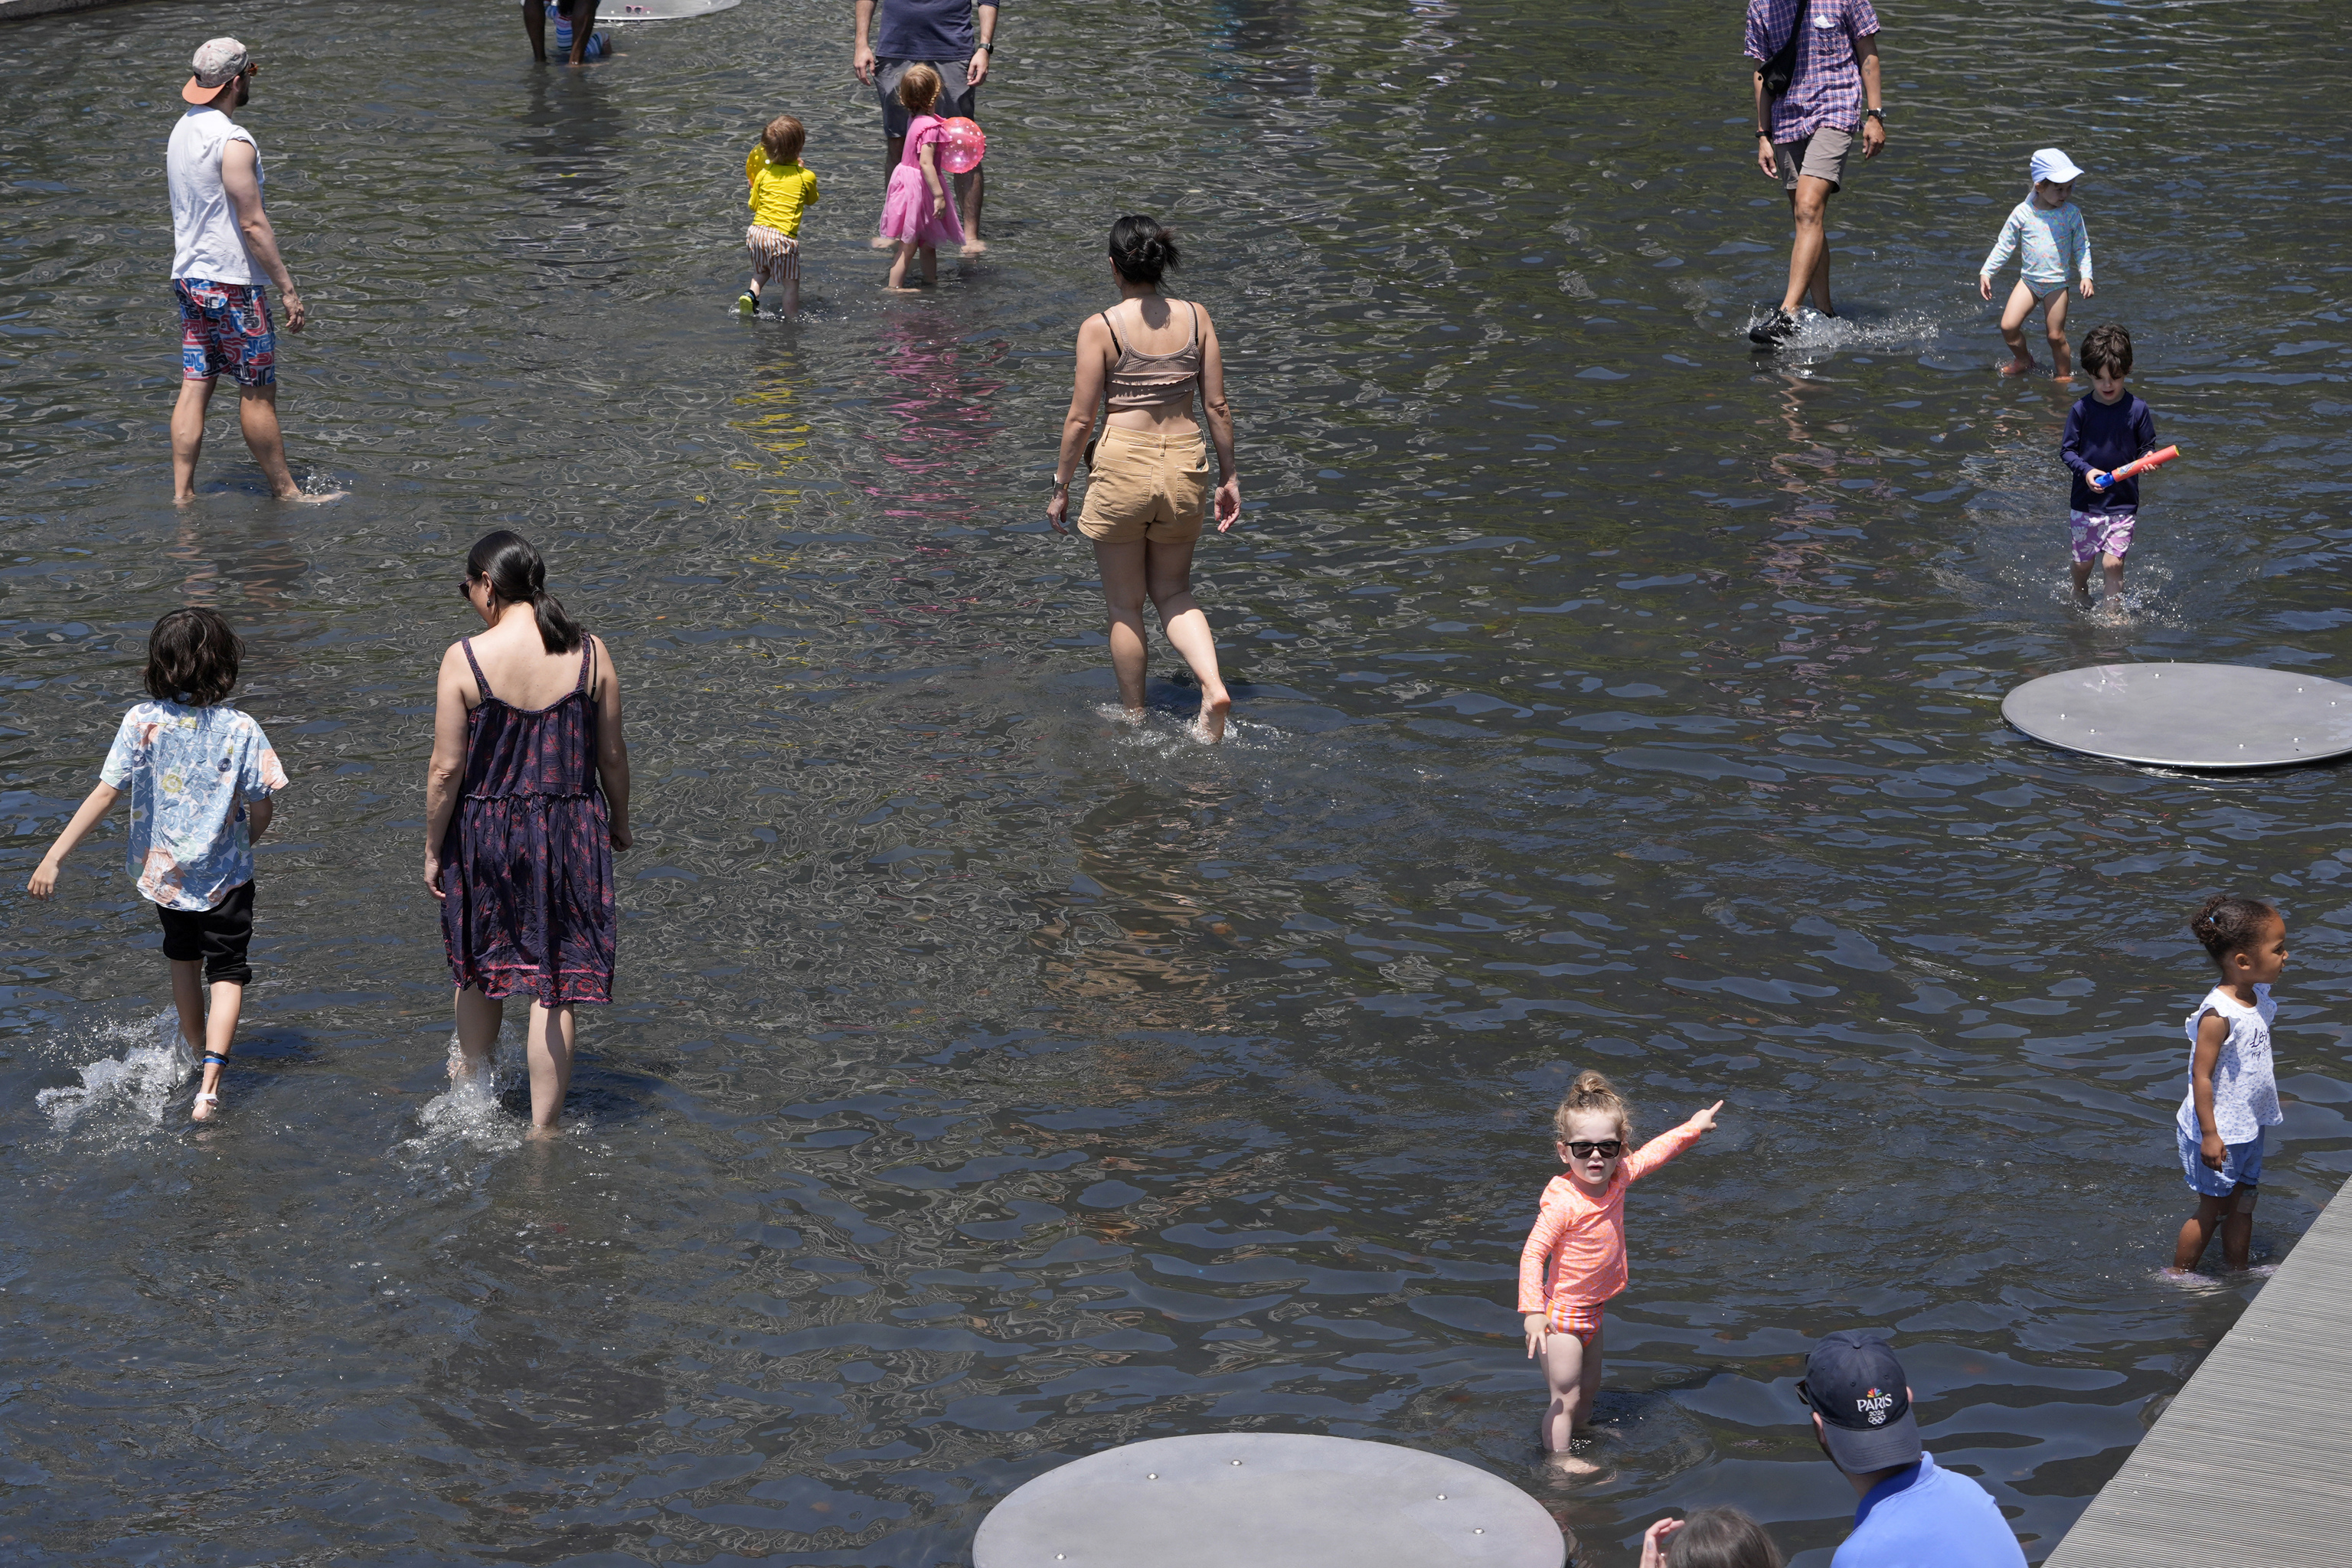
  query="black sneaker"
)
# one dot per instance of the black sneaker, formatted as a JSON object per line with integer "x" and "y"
{"x": 1774, "y": 330}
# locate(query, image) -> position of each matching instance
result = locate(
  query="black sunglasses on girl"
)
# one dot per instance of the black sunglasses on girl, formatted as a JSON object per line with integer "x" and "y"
{"x": 1607, "y": 1149}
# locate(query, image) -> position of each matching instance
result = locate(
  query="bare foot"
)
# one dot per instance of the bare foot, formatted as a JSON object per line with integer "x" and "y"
{"x": 880, "y": 242}
{"x": 314, "y": 498}
{"x": 1210, "y": 725}
{"x": 974, "y": 248}
{"x": 2018, "y": 367}
{"x": 900, "y": 289}
{"x": 2064, "y": 378}
{"x": 538, "y": 1134}
{"x": 206, "y": 1107}
{"x": 1568, "y": 1464}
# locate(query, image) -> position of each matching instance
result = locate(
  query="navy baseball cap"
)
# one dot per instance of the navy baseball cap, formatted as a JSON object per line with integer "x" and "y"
{"x": 1856, "y": 1386}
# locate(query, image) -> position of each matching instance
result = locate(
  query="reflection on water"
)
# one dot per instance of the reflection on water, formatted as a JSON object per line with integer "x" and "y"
{"x": 991, "y": 1080}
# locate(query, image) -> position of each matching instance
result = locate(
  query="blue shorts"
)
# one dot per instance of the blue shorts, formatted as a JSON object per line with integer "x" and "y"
{"x": 2241, "y": 1166}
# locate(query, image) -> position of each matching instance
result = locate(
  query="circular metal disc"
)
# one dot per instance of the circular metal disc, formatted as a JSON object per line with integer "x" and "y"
{"x": 2202, "y": 717}
{"x": 1267, "y": 1499}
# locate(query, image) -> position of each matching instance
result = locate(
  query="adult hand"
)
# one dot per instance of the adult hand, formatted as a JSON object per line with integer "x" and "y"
{"x": 1873, "y": 137}
{"x": 297, "y": 318}
{"x": 1653, "y": 1542}
{"x": 1764, "y": 158}
{"x": 620, "y": 835}
{"x": 2210, "y": 1149}
{"x": 2087, "y": 289}
{"x": 433, "y": 875}
{"x": 975, "y": 69}
{"x": 1229, "y": 502}
{"x": 1984, "y": 284}
{"x": 1057, "y": 511}
{"x": 44, "y": 880}
{"x": 1534, "y": 1324}
{"x": 861, "y": 62}
{"x": 1705, "y": 1119}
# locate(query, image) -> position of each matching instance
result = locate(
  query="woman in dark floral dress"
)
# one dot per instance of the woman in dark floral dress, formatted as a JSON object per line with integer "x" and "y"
{"x": 526, "y": 799}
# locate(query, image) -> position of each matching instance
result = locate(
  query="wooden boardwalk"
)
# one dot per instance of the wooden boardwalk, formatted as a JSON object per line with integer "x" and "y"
{"x": 2250, "y": 1466}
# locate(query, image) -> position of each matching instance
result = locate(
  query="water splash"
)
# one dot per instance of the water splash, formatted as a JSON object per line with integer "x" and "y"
{"x": 154, "y": 1061}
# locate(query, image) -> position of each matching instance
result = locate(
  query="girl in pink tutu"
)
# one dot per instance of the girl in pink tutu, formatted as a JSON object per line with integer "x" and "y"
{"x": 916, "y": 211}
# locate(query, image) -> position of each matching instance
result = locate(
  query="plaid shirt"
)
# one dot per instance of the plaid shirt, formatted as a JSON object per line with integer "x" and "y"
{"x": 1826, "y": 89}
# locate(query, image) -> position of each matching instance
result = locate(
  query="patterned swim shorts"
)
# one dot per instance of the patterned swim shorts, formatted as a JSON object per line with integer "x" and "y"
{"x": 775, "y": 256}
{"x": 2098, "y": 534}
{"x": 1582, "y": 1320}
{"x": 224, "y": 327}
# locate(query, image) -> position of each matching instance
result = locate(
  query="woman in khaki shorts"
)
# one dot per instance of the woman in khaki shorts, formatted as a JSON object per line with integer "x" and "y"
{"x": 1143, "y": 362}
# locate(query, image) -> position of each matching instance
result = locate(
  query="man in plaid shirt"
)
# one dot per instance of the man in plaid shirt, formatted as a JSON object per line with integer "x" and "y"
{"x": 1803, "y": 135}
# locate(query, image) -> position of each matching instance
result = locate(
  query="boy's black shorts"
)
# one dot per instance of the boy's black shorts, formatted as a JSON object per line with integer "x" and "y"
{"x": 217, "y": 935}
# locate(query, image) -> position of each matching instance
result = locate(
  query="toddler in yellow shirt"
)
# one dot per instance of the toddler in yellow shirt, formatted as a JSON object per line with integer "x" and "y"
{"x": 781, "y": 191}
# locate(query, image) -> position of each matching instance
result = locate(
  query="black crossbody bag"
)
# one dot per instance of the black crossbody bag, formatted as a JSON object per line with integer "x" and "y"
{"x": 1781, "y": 69}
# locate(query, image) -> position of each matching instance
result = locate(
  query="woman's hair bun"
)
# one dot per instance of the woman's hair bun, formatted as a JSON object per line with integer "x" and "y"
{"x": 1141, "y": 249}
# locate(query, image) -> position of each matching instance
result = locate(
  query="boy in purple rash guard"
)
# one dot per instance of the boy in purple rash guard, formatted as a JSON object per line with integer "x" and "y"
{"x": 2103, "y": 431}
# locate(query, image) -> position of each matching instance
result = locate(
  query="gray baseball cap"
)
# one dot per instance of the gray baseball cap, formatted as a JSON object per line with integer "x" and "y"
{"x": 218, "y": 63}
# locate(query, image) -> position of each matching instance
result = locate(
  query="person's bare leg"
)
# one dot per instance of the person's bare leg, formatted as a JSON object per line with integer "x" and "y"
{"x": 2012, "y": 330}
{"x": 188, "y": 436}
{"x": 534, "y": 22}
{"x": 2062, "y": 353}
{"x": 1169, "y": 575}
{"x": 256, "y": 412}
{"x": 1123, "y": 572}
{"x": 1808, "y": 250}
{"x": 930, "y": 264}
{"x": 2082, "y": 581}
{"x": 2197, "y": 1232}
{"x": 550, "y": 1054}
{"x": 2238, "y": 1229}
{"x": 479, "y": 1018}
{"x": 583, "y": 23}
{"x": 789, "y": 292}
{"x": 2114, "y": 570}
{"x": 1566, "y": 1378}
{"x": 893, "y": 149}
{"x": 972, "y": 194}
{"x": 1821, "y": 284}
{"x": 896, "y": 281}
{"x": 220, "y": 1034}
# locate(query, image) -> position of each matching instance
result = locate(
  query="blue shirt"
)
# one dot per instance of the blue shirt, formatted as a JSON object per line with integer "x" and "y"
{"x": 2104, "y": 435}
{"x": 1923, "y": 1517}
{"x": 926, "y": 29}
{"x": 2050, "y": 243}
{"x": 189, "y": 772}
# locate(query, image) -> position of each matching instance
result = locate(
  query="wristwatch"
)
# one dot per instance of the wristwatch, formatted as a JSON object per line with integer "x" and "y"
{"x": 1877, "y": 114}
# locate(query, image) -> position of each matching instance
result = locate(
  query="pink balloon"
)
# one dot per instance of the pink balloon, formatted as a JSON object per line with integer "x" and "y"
{"x": 962, "y": 144}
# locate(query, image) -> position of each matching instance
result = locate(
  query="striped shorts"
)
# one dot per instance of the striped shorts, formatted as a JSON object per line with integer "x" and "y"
{"x": 775, "y": 256}
{"x": 1582, "y": 1319}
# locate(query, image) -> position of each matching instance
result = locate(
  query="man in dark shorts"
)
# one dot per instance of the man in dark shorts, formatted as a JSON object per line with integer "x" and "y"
{"x": 940, "y": 34}
{"x": 1810, "y": 127}
{"x": 222, "y": 243}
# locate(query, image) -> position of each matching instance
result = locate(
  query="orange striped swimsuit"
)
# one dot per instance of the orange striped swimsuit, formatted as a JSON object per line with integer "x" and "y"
{"x": 1574, "y": 1260}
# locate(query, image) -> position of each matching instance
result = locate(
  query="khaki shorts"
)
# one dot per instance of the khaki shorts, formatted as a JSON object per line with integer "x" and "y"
{"x": 1146, "y": 487}
{"x": 1822, "y": 155}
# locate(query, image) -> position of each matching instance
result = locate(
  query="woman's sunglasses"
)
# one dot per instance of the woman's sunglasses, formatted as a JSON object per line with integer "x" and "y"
{"x": 1607, "y": 1149}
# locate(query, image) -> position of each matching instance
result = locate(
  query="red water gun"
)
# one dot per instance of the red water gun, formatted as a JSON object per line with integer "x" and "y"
{"x": 2155, "y": 460}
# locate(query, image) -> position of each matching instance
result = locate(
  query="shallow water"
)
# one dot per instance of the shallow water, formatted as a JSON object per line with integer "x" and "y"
{"x": 990, "y": 1081}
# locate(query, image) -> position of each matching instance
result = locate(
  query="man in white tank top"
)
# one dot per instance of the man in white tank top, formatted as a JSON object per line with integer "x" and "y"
{"x": 222, "y": 244}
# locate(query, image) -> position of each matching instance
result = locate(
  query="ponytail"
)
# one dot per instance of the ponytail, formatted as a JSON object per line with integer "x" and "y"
{"x": 1590, "y": 1091}
{"x": 517, "y": 576}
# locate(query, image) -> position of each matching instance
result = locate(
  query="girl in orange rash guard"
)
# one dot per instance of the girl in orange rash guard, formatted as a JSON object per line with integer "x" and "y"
{"x": 1575, "y": 1257}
